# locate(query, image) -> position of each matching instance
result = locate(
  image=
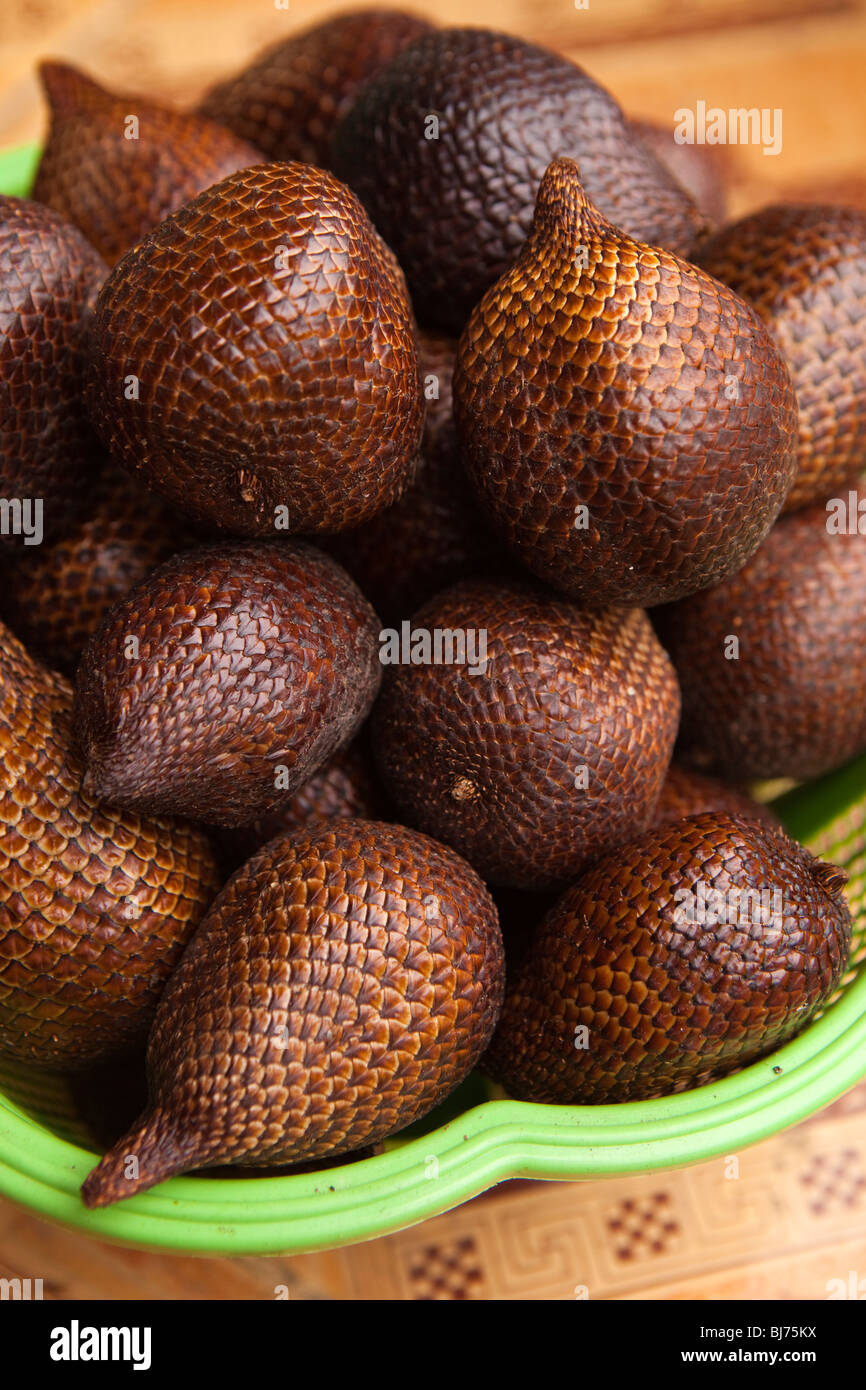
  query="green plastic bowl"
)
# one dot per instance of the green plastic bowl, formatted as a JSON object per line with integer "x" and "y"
{"x": 17, "y": 170}
{"x": 473, "y": 1141}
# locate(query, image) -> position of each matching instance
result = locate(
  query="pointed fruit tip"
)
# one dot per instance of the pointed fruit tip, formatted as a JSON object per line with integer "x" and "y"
{"x": 831, "y": 878}
{"x": 65, "y": 86}
{"x": 561, "y": 202}
{"x": 145, "y": 1156}
{"x": 100, "y": 779}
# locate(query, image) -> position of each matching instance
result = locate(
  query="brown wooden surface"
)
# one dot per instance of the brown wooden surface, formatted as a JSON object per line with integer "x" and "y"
{"x": 795, "y": 1217}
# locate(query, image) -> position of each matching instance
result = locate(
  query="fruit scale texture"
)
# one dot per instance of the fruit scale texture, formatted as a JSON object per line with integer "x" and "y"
{"x": 668, "y": 997}
{"x": 456, "y": 204}
{"x": 115, "y": 188}
{"x": 49, "y": 279}
{"x": 96, "y": 904}
{"x": 803, "y": 267}
{"x": 344, "y": 982}
{"x": 270, "y": 333}
{"x": 556, "y": 750}
{"x": 627, "y": 421}
{"x": 290, "y": 97}
{"x": 255, "y": 661}
{"x": 793, "y": 704}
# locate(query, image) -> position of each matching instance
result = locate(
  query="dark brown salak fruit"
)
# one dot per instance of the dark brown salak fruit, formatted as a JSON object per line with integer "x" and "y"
{"x": 346, "y": 785}
{"x": 54, "y": 595}
{"x": 627, "y": 421}
{"x": 804, "y": 270}
{"x": 436, "y": 534}
{"x": 554, "y": 749}
{"x": 772, "y": 662}
{"x": 225, "y": 680}
{"x": 454, "y": 199}
{"x": 655, "y": 972}
{"x": 288, "y": 100}
{"x": 700, "y": 169}
{"x": 689, "y": 793}
{"x": 255, "y": 362}
{"x": 96, "y": 904}
{"x": 49, "y": 280}
{"x": 345, "y": 981}
{"x": 116, "y": 180}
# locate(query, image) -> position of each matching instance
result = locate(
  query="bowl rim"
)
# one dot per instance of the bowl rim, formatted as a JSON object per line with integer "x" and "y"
{"x": 432, "y": 1173}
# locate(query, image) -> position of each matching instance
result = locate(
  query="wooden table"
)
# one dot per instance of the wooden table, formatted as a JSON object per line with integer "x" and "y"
{"x": 788, "y": 1218}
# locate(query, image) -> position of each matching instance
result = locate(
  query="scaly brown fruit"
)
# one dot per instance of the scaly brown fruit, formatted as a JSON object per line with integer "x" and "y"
{"x": 254, "y": 360}
{"x": 539, "y": 751}
{"x": 225, "y": 680}
{"x": 628, "y": 423}
{"x": 288, "y": 100}
{"x": 630, "y": 989}
{"x": 446, "y": 146}
{"x": 114, "y": 180}
{"x": 49, "y": 280}
{"x": 346, "y": 980}
{"x": 55, "y": 595}
{"x": 688, "y": 793}
{"x": 804, "y": 270}
{"x": 96, "y": 904}
{"x": 772, "y": 662}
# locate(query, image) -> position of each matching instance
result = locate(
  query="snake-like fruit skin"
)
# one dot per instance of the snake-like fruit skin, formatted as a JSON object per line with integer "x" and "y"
{"x": 804, "y": 270}
{"x": 54, "y": 595}
{"x": 345, "y": 981}
{"x": 552, "y": 753}
{"x": 292, "y": 95}
{"x": 115, "y": 189}
{"x": 689, "y": 793}
{"x": 271, "y": 336}
{"x": 456, "y": 207}
{"x": 789, "y": 699}
{"x": 254, "y": 663}
{"x": 96, "y": 904}
{"x": 49, "y": 279}
{"x": 668, "y": 1003}
{"x": 633, "y": 386}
